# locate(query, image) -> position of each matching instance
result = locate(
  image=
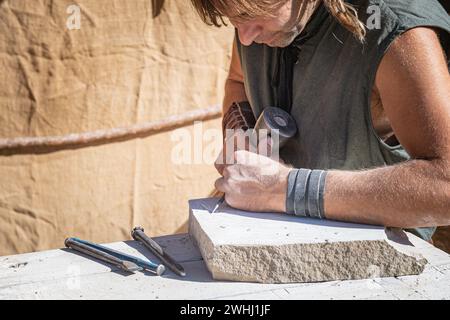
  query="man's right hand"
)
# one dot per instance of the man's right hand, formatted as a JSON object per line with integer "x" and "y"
{"x": 240, "y": 140}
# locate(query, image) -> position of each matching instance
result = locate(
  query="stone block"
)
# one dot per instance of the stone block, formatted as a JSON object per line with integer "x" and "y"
{"x": 278, "y": 248}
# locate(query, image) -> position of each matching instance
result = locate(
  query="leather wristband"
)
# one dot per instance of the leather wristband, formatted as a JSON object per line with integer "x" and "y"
{"x": 305, "y": 193}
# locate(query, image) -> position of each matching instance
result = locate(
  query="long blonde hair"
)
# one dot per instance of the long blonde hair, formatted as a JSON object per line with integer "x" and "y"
{"x": 213, "y": 12}
{"x": 347, "y": 16}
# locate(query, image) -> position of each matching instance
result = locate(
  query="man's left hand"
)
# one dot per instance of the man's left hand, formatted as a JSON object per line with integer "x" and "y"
{"x": 254, "y": 183}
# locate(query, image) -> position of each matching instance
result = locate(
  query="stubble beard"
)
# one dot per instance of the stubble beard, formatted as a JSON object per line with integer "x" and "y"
{"x": 294, "y": 27}
{"x": 284, "y": 39}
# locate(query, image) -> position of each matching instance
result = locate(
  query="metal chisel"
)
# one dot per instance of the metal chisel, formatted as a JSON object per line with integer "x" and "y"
{"x": 120, "y": 258}
{"x": 218, "y": 204}
{"x": 74, "y": 244}
{"x": 139, "y": 235}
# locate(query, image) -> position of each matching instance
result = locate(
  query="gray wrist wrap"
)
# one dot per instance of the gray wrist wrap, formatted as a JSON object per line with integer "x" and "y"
{"x": 292, "y": 177}
{"x": 305, "y": 192}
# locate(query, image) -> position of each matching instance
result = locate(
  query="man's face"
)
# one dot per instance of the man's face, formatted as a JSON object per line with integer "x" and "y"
{"x": 278, "y": 31}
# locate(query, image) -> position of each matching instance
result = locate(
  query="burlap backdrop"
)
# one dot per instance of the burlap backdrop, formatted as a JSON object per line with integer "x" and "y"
{"x": 122, "y": 67}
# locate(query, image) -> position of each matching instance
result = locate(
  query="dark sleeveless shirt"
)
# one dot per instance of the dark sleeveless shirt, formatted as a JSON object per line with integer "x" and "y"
{"x": 332, "y": 85}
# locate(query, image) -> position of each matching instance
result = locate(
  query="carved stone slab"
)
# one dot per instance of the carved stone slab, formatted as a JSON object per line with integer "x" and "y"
{"x": 277, "y": 248}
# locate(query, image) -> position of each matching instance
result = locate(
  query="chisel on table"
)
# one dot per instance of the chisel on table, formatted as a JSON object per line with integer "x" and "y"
{"x": 124, "y": 261}
{"x": 139, "y": 235}
{"x": 88, "y": 250}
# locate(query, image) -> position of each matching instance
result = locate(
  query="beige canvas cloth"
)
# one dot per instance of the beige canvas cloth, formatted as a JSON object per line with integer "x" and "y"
{"x": 122, "y": 66}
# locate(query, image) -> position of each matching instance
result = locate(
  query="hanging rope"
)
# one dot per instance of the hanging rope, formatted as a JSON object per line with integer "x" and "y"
{"x": 114, "y": 134}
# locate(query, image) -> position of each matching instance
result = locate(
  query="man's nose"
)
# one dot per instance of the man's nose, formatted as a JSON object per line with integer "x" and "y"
{"x": 248, "y": 33}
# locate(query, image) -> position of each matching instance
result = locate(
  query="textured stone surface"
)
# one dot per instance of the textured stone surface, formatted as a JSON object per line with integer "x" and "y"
{"x": 61, "y": 274}
{"x": 276, "y": 248}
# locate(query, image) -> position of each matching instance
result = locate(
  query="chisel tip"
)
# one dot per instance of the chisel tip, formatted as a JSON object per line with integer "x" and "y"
{"x": 130, "y": 266}
{"x": 160, "y": 270}
{"x": 221, "y": 200}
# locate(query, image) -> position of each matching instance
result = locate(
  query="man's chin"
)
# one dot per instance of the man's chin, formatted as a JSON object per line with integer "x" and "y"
{"x": 280, "y": 43}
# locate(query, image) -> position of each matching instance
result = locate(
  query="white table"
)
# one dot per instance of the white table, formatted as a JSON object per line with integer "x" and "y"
{"x": 61, "y": 274}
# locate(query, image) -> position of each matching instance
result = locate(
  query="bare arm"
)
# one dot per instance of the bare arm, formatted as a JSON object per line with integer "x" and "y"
{"x": 414, "y": 84}
{"x": 234, "y": 85}
{"x": 234, "y": 92}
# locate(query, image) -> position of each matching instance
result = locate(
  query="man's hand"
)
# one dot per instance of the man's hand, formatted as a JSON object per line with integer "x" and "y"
{"x": 254, "y": 183}
{"x": 240, "y": 141}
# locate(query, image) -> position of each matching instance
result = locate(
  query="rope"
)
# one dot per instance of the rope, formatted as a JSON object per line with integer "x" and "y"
{"x": 108, "y": 135}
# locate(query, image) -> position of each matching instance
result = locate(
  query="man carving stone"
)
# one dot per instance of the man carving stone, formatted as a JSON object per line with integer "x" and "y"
{"x": 372, "y": 108}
